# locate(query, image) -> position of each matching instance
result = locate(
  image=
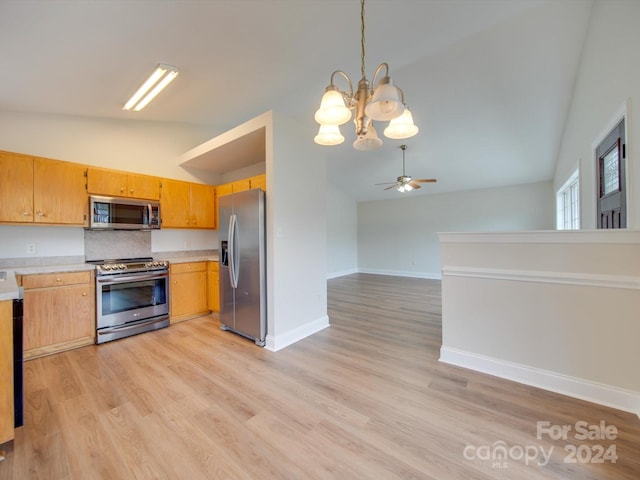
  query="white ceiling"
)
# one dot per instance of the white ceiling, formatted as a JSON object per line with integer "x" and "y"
{"x": 488, "y": 81}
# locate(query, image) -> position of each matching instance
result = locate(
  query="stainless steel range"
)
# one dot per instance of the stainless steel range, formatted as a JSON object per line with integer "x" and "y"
{"x": 132, "y": 297}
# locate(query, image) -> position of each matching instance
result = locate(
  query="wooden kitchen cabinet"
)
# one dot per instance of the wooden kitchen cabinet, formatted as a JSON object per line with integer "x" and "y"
{"x": 59, "y": 192}
{"x": 187, "y": 205}
{"x": 258, "y": 181}
{"x": 203, "y": 206}
{"x": 16, "y": 194}
{"x": 59, "y": 312}
{"x": 239, "y": 185}
{"x": 114, "y": 183}
{"x": 43, "y": 191}
{"x": 213, "y": 286}
{"x": 188, "y": 290}
{"x": 6, "y": 371}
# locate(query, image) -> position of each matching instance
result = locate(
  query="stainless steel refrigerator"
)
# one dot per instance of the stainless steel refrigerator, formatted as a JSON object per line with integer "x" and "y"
{"x": 241, "y": 234}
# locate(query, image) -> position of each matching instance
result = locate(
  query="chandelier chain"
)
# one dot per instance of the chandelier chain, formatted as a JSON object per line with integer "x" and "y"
{"x": 362, "y": 37}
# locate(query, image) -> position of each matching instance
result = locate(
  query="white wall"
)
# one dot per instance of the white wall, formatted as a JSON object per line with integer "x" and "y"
{"x": 49, "y": 241}
{"x": 608, "y": 82}
{"x": 296, "y": 230}
{"x": 399, "y": 237}
{"x": 342, "y": 233}
{"x": 141, "y": 147}
{"x": 527, "y": 306}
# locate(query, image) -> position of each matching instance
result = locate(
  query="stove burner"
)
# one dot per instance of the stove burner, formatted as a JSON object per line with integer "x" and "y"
{"x": 128, "y": 265}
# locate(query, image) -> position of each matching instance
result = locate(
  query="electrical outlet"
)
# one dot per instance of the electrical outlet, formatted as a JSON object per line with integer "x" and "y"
{"x": 31, "y": 248}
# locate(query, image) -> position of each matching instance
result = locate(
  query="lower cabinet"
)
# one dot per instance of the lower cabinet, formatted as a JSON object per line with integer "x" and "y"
{"x": 213, "y": 284}
{"x": 188, "y": 290}
{"x": 59, "y": 312}
{"x": 6, "y": 371}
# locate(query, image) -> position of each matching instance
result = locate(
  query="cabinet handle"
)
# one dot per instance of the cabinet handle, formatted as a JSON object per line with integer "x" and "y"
{"x": 26, "y": 214}
{"x": 58, "y": 279}
{"x": 131, "y": 190}
{"x": 84, "y": 294}
{"x": 41, "y": 214}
{"x": 121, "y": 189}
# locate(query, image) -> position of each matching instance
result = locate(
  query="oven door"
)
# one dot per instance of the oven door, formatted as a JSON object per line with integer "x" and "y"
{"x": 131, "y": 297}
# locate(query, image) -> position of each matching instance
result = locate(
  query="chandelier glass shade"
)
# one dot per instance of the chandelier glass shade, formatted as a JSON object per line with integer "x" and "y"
{"x": 384, "y": 103}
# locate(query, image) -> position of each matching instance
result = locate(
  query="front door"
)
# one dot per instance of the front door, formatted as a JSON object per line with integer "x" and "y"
{"x": 611, "y": 155}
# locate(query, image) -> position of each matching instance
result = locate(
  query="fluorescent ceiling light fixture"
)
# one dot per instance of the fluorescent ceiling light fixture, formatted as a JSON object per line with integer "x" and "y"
{"x": 160, "y": 78}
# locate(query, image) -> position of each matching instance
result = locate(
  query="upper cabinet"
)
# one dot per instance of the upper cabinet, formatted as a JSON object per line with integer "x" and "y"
{"x": 101, "y": 181}
{"x": 259, "y": 181}
{"x": 40, "y": 190}
{"x": 187, "y": 205}
{"x": 16, "y": 194}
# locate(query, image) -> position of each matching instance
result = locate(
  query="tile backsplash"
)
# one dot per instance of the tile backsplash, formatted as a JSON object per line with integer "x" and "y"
{"x": 111, "y": 244}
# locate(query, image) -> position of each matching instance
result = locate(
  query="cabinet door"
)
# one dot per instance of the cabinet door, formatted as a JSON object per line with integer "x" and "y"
{"x": 224, "y": 189}
{"x": 203, "y": 210}
{"x": 213, "y": 286}
{"x": 106, "y": 182}
{"x": 241, "y": 185}
{"x": 188, "y": 294}
{"x": 6, "y": 371}
{"x": 174, "y": 204}
{"x": 259, "y": 181}
{"x": 143, "y": 186}
{"x": 59, "y": 315}
{"x": 16, "y": 194}
{"x": 59, "y": 192}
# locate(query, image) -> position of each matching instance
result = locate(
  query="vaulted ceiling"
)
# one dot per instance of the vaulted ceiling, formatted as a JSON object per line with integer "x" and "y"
{"x": 489, "y": 82}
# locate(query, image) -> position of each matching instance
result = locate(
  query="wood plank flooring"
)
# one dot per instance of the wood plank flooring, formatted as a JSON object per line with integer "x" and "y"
{"x": 363, "y": 399}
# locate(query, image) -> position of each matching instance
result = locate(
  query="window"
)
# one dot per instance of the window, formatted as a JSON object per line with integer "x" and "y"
{"x": 568, "y": 204}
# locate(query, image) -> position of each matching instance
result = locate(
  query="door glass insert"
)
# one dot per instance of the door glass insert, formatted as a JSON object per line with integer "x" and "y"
{"x": 610, "y": 174}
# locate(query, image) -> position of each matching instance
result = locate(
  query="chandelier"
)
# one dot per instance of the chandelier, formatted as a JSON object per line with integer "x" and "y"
{"x": 384, "y": 103}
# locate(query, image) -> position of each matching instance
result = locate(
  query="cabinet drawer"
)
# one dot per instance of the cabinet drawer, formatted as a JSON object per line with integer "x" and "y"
{"x": 56, "y": 279}
{"x": 213, "y": 266}
{"x": 188, "y": 267}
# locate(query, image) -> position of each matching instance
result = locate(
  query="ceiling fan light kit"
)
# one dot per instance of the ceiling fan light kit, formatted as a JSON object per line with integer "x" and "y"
{"x": 384, "y": 103}
{"x": 405, "y": 183}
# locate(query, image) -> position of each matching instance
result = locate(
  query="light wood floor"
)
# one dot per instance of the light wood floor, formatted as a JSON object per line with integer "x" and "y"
{"x": 363, "y": 399}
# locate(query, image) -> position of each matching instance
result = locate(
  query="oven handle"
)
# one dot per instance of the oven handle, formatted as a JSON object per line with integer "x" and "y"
{"x": 129, "y": 278}
{"x": 105, "y": 331}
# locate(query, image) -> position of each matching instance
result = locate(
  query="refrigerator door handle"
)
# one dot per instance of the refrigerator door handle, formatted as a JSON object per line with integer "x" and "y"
{"x": 232, "y": 241}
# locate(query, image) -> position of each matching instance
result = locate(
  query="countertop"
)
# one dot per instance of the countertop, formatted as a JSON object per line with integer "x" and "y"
{"x": 198, "y": 258}
{"x": 10, "y": 290}
{"x": 8, "y": 287}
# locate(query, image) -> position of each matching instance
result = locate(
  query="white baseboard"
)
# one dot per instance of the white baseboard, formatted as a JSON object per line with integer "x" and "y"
{"x": 275, "y": 343}
{"x": 608, "y": 395}
{"x": 401, "y": 273}
{"x": 341, "y": 273}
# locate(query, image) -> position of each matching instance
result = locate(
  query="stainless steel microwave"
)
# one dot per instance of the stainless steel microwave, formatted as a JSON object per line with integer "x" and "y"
{"x": 113, "y": 213}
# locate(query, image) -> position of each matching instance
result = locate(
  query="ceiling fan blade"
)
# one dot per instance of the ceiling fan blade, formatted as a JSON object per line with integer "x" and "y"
{"x": 425, "y": 180}
{"x": 392, "y": 186}
{"x": 414, "y": 185}
{"x": 386, "y": 183}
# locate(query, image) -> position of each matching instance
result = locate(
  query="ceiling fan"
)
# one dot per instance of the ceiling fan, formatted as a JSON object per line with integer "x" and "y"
{"x": 405, "y": 183}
